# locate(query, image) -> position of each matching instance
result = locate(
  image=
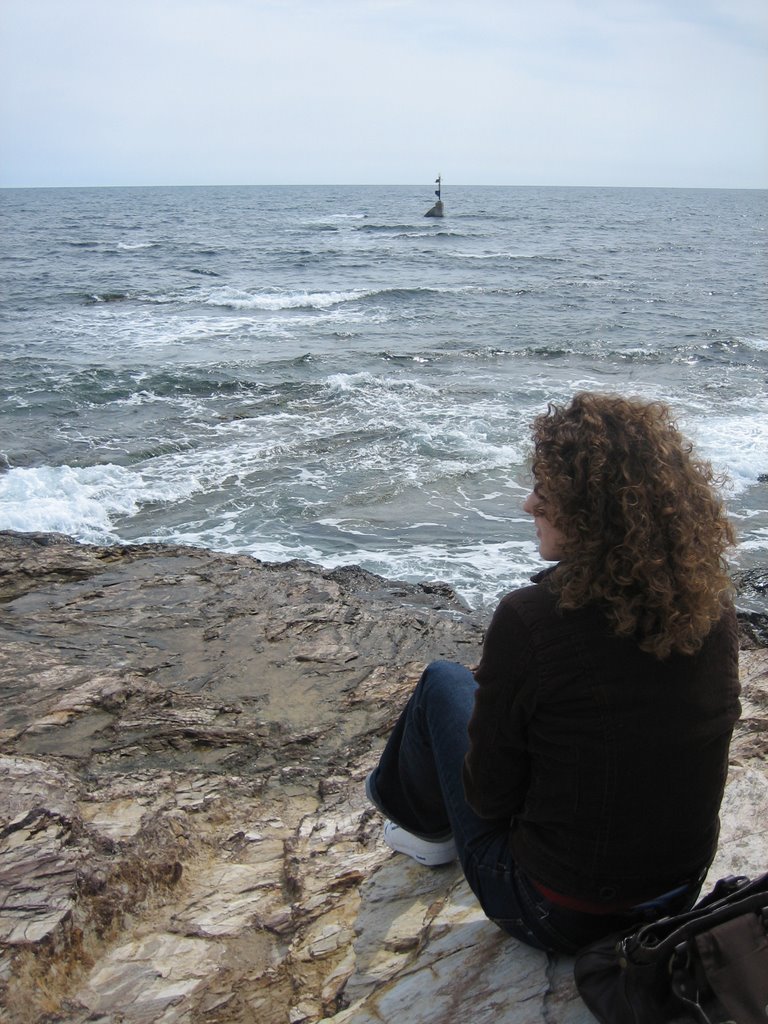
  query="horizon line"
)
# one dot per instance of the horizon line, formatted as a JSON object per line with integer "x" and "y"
{"x": 415, "y": 185}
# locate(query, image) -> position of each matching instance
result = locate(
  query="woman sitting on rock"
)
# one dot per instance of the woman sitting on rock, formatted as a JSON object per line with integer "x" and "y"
{"x": 577, "y": 772}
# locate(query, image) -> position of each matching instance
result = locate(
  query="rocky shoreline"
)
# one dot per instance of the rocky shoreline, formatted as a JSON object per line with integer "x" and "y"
{"x": 184, "y": 835}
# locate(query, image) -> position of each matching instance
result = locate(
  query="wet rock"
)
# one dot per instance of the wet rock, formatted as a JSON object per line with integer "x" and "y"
{"x": 752, "y": 604}
{"x": 183, "y": 828}
{"x": 754, "y": 580}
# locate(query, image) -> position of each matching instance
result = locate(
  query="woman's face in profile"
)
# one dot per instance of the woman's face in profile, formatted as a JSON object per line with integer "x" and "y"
{"x": 551, "y": 540}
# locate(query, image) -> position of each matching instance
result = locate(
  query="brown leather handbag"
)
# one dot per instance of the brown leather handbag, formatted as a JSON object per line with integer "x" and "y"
{"x": 708, "y": 965}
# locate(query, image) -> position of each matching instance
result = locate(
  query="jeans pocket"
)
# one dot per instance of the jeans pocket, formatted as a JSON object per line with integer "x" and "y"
{"x": 496, "y": 884}
{"x": 556, "y": 929}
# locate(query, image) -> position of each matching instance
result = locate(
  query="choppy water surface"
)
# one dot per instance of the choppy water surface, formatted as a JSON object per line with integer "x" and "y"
{"x": 324, "y": 373}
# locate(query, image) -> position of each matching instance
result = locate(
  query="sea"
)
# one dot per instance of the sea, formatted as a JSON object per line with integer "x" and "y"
{"x": 324, "y": 373}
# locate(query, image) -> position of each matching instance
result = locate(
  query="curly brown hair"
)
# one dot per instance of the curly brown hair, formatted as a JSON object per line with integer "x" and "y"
{"x": 645, "y": 531}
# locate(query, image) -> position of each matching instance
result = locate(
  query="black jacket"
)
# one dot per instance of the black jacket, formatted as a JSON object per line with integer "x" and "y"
{"x": 608, "y": 763}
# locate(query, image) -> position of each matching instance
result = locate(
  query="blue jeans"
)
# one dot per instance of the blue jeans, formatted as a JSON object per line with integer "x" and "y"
{"x": 418, "y": 785}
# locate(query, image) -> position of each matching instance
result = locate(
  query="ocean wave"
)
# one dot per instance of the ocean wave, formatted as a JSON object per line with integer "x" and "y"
{"x": 404, "y": 295}
{"x": 99, "y": 297}
{"x": 95, "y": 388}
{"x": 135, "y": 246}
{"x": 233, "y": 298}
{"x": 80, "y": 502}
{"x": 389, "y": 228}
{"x": 737, "y": 445}
{"x": 276, "y": 300}
{"x": 432, "y": 234}
{"x": 87, "y": 502}
{"x": 510, "y": 256}
{"x": 759, "y": 344}
{"x": 375, "y": 386}
{"x": 480, "y": 572}
{"x": 406, "y": 358}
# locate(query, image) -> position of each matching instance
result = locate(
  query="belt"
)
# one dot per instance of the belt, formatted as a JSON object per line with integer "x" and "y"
{"x": 618, "y": 907}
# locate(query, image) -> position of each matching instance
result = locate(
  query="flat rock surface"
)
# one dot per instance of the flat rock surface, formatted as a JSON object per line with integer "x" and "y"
{"x": 184, "y": 835}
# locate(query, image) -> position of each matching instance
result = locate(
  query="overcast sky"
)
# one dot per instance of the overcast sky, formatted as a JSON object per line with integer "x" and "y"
{"x": 529, "y": 92}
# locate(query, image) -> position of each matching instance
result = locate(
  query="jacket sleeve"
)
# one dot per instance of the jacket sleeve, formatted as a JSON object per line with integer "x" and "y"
{"x": 497, "y": 765}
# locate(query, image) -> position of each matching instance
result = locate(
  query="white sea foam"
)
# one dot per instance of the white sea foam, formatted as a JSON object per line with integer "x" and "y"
{"x": 234, "y": 298}
{"x": 229, "y": 333}
{"x": 86, "y": 501}
{"x": 481, "y": 572}
{"x": 755, "y": 342}
{"x": 131, "y": 246}
{"x": 757, "y": 542}
{"x": 374, "y": 389}
{"x": 63, "y": 499}
{"x": 736, "y": 445}
{"x": 500, "y": 256}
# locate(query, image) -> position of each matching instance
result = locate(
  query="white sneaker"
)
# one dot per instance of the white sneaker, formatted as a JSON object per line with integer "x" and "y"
{"x": 422, "y": 850}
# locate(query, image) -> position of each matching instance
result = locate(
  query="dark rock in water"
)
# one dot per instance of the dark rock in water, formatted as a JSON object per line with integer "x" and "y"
{"x": 752, "y": 605}
{"x": 752, "y": 581}
{"x": 753, "y": 629}
{"x": 183, "y": 828}
{"x": 437, "y": 210}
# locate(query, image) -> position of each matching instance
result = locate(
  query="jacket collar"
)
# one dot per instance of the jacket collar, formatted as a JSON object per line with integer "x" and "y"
{"x": 542, "y": 574}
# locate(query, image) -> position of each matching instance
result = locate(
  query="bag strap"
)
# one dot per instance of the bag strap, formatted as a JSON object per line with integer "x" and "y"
{"x": 686, "y": 991}
{"x": 658, "y": 939}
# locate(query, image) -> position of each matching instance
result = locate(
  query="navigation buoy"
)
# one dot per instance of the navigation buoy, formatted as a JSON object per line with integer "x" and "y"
{"x": 437, "y": 210}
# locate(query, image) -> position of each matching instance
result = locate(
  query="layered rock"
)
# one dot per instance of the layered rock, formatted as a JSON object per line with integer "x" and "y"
{"x": 183, "y": 829}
